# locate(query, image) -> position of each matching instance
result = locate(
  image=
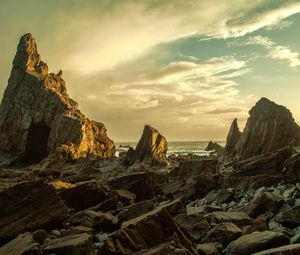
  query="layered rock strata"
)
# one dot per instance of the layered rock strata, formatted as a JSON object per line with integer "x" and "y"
{"x": 37, "y": 116}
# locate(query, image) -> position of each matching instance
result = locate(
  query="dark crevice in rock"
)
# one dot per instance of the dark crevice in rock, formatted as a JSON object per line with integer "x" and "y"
{"x": 36, "y": 143}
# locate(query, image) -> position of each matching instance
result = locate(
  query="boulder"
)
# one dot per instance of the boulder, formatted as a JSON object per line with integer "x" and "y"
{"x": 264, "y": 202}
{"x": 224, "y": 196}
{"x": 151, "y": 148}
{"x": 290, "y": 217}
{"x": 70, "y": 245}
{"x": 141, "y": 184}
{"x": 210, "y": 249}
{"x": 178, "y": 188}
{"x": 187, "y": 169}
{"x": 40, "y": 235}
{"x": 232, "y": 139}
{"x": 24, "y": 244}
{"x": 29, "y": 206}
{"x": 166, "y": 248}
{"x": 132, "y": 211}
{"x": 258, "y": 225}
{"x": 147, "y": 232}
{"x": 256, "y": 242}
{"x": 223, "y": 233}
{"x": 99, "y": 221}
{"x": 271, "y": 163}
{"x": 269, "y": 128}
{"x": 292, "y": 167}
{"x": 189, "y": 187}
{"x": 37, "y": 116}
{"x": 238, "y": 218}
{"x": 85, "y": 195}
{"x": 194, "y": 226}
{"x": 292, "y": 249}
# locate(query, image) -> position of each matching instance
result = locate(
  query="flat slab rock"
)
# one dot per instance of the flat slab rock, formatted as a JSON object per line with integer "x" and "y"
{"x": 256, "y": 242}
{"x": 292, "y": 249}
{"x": 23, "y": 244}
{"x": 147, "y": 232}
{"x": 70, "y": 245}
{"x": 238, "y": 218}
{"x": 86, "y": 194}
{"x": 189, "y": 168}
{"x": 29, "y": 206}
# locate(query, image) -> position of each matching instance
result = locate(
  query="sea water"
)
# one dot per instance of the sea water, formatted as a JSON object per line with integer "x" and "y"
{"x": 178, "y": 148}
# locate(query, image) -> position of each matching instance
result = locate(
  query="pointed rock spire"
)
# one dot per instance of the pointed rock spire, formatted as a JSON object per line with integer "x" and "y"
{"x": 232, "y": 138}
{"x": 27, "y": 56}
{"x": 37, "y": 116}
{"x": 152, "y": 148}
{"x": 269, "y": 128}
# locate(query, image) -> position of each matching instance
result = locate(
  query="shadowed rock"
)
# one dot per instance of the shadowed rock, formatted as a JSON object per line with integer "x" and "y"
{"x": 269, "y": 127}
{"x": 37, "y": 116}
{"x": 29, "y": 206}
{"x": 23, "y": 244}
{"x": 148, "y": 231}
{"x": 256, "y": 242}
{"x": 232, "y": 139}
{"x": 214, "y": 146}
{"x": 151, "y": 148}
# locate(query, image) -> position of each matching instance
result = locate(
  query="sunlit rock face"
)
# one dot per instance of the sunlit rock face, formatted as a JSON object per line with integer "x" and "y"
{"x": 152, "y": 147}
{"x": 37, "y": 116}
{"x": 269, "y": 127}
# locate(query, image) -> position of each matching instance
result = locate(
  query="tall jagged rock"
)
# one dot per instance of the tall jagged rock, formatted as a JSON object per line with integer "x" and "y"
{"x": 37, "y": 116}
{"x": 232, "y": 139}
{"x": 151, "y": 148}
{"x": 269, "y": 127}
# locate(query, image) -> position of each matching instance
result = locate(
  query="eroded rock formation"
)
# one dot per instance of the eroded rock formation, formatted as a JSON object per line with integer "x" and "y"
{"x": 270, "y": 127}
{"x": 151, "y": 148}
{"x": 232, "y": 139}
{"x": 37, "y": 116}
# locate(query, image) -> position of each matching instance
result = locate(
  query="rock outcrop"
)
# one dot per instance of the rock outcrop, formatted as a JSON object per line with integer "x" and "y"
{"x": 151, "y": 148}
{"x": 37, "y": 116}
{"x": 215, "y": 147}
{"x": 232, "y": 139}
{"x": 269, "y": 127}
{"x": 29, "y": 206}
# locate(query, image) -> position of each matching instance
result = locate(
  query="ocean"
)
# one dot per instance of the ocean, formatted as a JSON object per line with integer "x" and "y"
{"x": 178, "y": 148}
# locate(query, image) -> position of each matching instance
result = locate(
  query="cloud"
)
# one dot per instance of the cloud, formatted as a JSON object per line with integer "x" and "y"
{"x": 283, "y": 53}
{"x": 99, "y": 35}
{"x": 109, "y": 52}
{"x": 132, "y": 28}
{"x": 286, "y": 54}
{"x": 238, "y": 27}
{"x": 225, "y": 110}
{"x": 177, "y": 94}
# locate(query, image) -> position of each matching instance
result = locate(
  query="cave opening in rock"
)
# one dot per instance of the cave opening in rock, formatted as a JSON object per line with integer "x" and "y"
{"x": 36, "y": 143}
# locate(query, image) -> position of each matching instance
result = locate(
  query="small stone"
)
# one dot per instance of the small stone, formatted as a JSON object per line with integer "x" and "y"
{"x": 55, "y": 232}
{"x": 40, "y": 235}
{"x": 295, "y": 239}
{"x": 101, "y": 237}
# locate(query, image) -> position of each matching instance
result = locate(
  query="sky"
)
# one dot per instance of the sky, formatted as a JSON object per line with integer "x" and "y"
{"x": 186, "y": 67}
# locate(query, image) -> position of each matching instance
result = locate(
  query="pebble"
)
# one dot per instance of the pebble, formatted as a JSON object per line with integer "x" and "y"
{"x": 55, "y": 232}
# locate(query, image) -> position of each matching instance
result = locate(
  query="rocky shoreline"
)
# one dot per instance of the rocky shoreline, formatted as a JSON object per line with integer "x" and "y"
{"x": 63, "y": 192}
